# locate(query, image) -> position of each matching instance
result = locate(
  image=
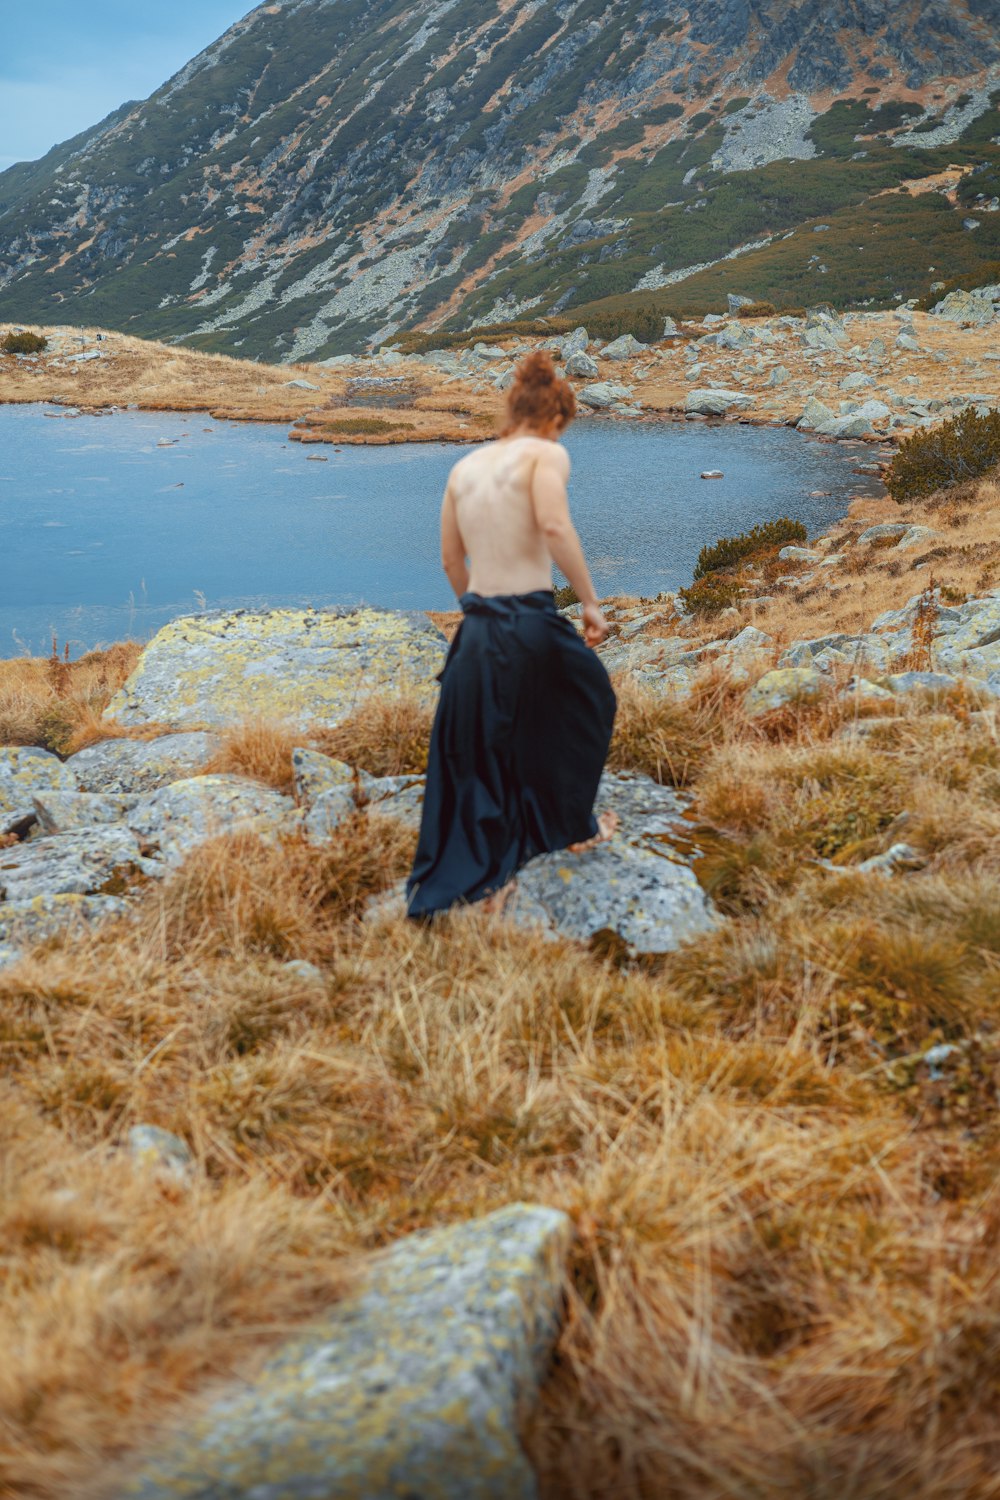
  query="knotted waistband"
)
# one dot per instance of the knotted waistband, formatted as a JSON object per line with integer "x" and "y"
{"x": 505, "y": 606}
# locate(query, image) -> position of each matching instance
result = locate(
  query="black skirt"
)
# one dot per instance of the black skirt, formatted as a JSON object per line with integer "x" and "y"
{"x": 519, "y": 743}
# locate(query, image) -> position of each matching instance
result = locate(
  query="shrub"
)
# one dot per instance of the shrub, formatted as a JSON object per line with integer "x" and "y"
{"x": 566, "y": 596}
{"x": 730, "y": 550}
{"x": 23, "y": 343}
{"x": 966, "y": 447}
{"x": 711, "y": 595}
{"x": 758, "y": 310}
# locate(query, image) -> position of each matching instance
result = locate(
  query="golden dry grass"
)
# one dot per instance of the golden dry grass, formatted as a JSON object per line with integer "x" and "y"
{"x": 784, "y": 1280}
{"x": 58, "y": 704}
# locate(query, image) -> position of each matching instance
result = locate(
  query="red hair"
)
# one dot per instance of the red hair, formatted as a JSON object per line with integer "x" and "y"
{"x": 538, "y": 397}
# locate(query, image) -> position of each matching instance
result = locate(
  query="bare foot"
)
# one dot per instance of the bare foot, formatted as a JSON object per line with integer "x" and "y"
{"x": 496, "y": 904}
{"x": 608, "y": 824}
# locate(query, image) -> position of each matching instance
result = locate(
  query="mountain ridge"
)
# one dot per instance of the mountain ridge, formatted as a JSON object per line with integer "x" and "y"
{"x": 331, "y": 172}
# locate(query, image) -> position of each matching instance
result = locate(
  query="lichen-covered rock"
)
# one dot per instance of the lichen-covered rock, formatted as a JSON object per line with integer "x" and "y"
{"x": 582, "y": 365}
{"x": 35, "y": 919}
{"x": 625, "y": 347}
{"x": 639, "y": 886}
{"x": 84, "y": 863}
{"x": 25, "y": 771}
{"x": 326, "y": 813}
{"x": 316, "y": 773}
{"x": 604, "y": 393}
{"x": 784, "y": 686}
{"x": 178, "y": 818}
{"x": 399, "y": 797}
{"x": 63, "y": 812}
{"x": 142, "y": 765}
{"x": 298, "y": 666}
{"x": 414, "y": 1385}
{"x": 715, "y": 403}
{"x": 149, "y": 1146}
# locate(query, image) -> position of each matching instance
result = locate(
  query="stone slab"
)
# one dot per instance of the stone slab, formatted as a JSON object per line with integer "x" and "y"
{"x": 25, "y": 770}
{"x": 24, "y": 922}
{"x": 294, "y": 666}
{"x": 134, "y": 766}
{"x": 412, "y": 1387}
{"x": 81, "y": 863}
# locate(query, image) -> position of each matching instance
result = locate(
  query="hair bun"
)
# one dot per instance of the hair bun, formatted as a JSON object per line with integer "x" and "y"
{"x": 537, "y": 368}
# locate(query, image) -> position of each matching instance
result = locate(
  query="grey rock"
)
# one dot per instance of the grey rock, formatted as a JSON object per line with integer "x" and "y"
{"x": 670, "y": 329}
{"x": 315, "y": 774}
{"x": 603, "y": 394}
{"x": 178, "y": 818}
{"x": 327, "y": 812}
{"x": 877, "y": 349}
{"x": 815, "y": 413}
{"x": 300, "y": 968}
{"x": 82, "y": 863}
{"x": 735, "y": 302}
{"x": 36, "y": 919}
{"x": 300, "y": 666}
{"x": 302, "y": 385}
{"x": 583, "y": 365}
{"x": 780, "y": 375}
{"x": 885, "y": 529}
{"x": 25, "y": 772}
{"x": 860, "y": 690}
{"x": 845, "y": 427}
{"x": 716, "y": 402}
{"x": 799, "y": 554}
{"x": 894, "y": 861}
{"x": 625, "y": 347}
{"x": 64, "y": 812}
{"x": 413, "y": 1385}
{"x": 149, "y": 1146}
{"x": 399, "y": 797}
{"x": 915, "y": 682}
{"x": 908, "y": 343}
{"x": 915, "y": 536}
{"x": 142, "y": 765}
{"x": 577, "y": 342}
{"x": 784, "y": 686}
{"x": 978, "y": 308}
{"x": 749, "y": 639}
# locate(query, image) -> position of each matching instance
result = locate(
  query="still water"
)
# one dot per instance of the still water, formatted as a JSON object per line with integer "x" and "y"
{"x": 110, "y": 526}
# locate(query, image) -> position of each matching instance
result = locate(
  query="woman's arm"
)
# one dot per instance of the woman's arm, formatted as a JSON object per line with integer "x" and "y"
{"x": 551, "y": 504}
{"x": 453, "y": 558}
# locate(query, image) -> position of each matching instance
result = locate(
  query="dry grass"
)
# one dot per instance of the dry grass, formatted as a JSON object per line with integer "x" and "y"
{"x": 384, "y": 736}
{"x": 58, "y": 704}
{"x": 784, "y": 1281}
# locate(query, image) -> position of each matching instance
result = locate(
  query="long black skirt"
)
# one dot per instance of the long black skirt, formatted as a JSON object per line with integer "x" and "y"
{"x": 519, "y": 743}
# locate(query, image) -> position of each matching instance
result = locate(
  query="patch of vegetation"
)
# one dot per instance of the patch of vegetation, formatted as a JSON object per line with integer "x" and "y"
{"x": 23, "y": 343}
{"x": 365, "y": 426}
{"x": 566, "y": 596}
{"x": 728, "y": 551}
{"x": 735, "y": 105}
{"x": 758, "y": 310}
{"x": 965, "y": 447}
{"x": 711, "y": 595}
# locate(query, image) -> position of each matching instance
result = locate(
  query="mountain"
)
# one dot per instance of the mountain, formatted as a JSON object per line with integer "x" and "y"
{"x": 331, "y": 172}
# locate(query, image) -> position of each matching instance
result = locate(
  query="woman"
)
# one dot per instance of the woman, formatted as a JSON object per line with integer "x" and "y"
{"x": 526, "y": 710}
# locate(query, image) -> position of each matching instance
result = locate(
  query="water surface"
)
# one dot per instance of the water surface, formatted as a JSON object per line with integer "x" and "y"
{"x": 110, "y": 526}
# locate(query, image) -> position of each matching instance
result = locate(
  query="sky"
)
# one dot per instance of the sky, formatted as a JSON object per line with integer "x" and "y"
{"x": 65, "y": 64}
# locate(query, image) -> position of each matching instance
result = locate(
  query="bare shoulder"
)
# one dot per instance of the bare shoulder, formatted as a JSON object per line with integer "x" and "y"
{"x": 548, "y": 451}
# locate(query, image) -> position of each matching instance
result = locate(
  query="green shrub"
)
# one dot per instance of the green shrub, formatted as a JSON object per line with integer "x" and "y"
{"x": 566, "y": 596}
{"x": 965, "y": 447}
{"x": 711, "y": 595}
{"x": 758, "y": 310}
{"x": 728, "y": 551}
{"x": 23, "y": 343}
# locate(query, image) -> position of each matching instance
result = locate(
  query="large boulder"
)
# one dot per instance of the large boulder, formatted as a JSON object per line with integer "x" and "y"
{"x": 716, "y": 402}
{"x": 178, "y": 818}
{"x": 86, "y": 862}
{"x": 300, "y": 666}
{"x": 784, "y": 687}
{"x": 23, "y": 772}
{"x": 414, "y": 1385}
{"x": 979, "y": 308}
{"x": 604, "y": 393}
{"x": 582, "y": 364}
{"x": 625, "y": 347}
{"x": 39, "y": 918}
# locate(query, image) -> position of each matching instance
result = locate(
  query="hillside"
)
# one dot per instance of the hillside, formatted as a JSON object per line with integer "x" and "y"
{"x": 333, "y": 171}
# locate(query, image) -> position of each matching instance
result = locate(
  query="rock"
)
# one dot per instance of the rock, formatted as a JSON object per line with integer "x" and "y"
{"x": 715, "y": 403}
{"x": 625, "y": 347}
{"x": 886, "y": 529}
{"x": 149, "y": 1146}
{"x": 845, "y": 427}
{"x": 637, "y": 887}
{"x": 178, "y": 818}
{"x": 827, "y": 338}
{"x": 749, "y": 639}
{"x": 24, "y": 772}
{"x": 915, "y": 536}
{"x": 670, "y": 329}
{"x": 302, "y": 666}
{"x": 814, "y": 414}
{"x": 915, "y": 682}
{"x": 327, "y": 812}
{"x": 870, "y": 411}
{"x": 300, "y": 968}
{"x": 64, "y": 812}
{"x": 302, "y": 385}
{"x": 908, "y": 343}
{"x": 142, "y": 765}
{"x": 399, "y": 797}
{"x": 713, "y": 474}
{"x": 858, "y": 381}
{"x": 894, "y": 861}
{"x": 338, "y": 361}
{"x": 603, "y": 394}
{"x": 413, "y": 1385}
{"x": 784, "y": 686}
{"x": 862, "y": 691}
{"x": 315, "y": 774}
{"x": 799, "y": 554}
{"x": 89, "y": 862}
{"x": 780, "y": 375}
{"x": 979, "y": 308}
{"x": 490, "y": 351}
{"x": 583, "y": 365}
{"x": 577, "y": 342}
{"x": 735, "y": 302}
{"x": 36, "y": 919}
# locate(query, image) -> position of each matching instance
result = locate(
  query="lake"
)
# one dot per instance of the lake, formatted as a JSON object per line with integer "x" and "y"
{"x": 112, "y": 525}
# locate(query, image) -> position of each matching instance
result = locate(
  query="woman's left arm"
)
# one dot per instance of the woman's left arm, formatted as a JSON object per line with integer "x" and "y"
{"x": 453, "y": 558}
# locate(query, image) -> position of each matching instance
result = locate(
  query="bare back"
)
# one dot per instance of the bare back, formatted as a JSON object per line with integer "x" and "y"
{"x": 491, "y": 490}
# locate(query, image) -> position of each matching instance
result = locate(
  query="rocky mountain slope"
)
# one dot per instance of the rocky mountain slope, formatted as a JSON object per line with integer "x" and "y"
{"x": 332, "y": 171}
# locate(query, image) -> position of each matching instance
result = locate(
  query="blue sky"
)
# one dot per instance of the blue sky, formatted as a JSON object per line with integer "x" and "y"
{"x": 65, "y": 64}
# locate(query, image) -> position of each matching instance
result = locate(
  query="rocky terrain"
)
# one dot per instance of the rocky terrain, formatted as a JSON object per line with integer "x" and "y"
{"x": 327, "y": 174}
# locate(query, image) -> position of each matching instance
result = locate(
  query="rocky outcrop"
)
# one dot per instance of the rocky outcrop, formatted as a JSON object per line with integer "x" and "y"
{"x": 415, "y": 1384}
{"x": 301, "y": 666}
